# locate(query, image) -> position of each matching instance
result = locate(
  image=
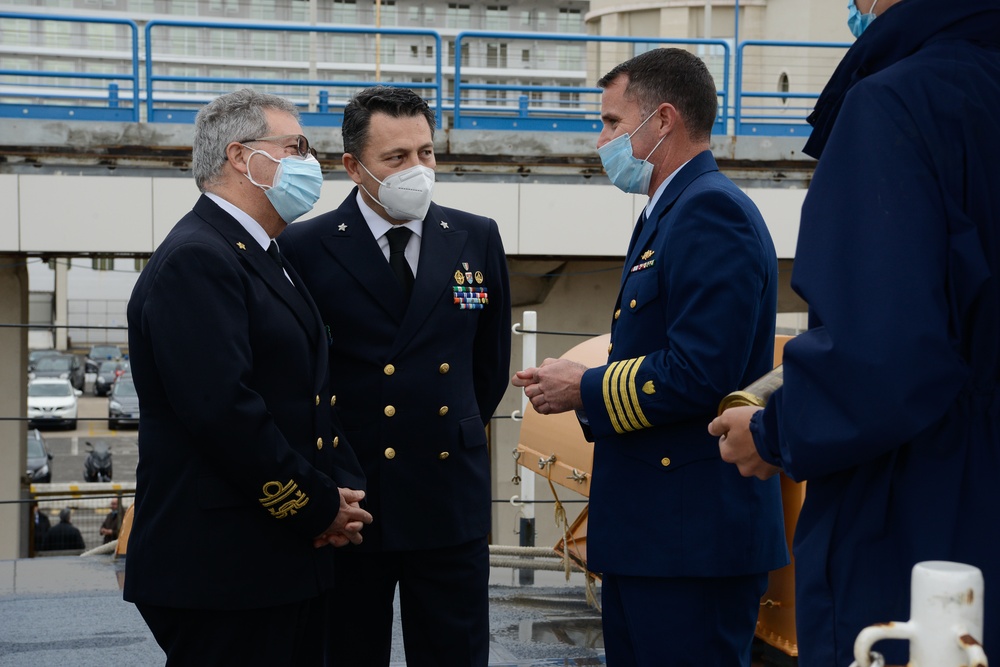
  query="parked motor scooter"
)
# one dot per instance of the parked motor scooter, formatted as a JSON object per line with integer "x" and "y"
{"x": 97, "y": 465}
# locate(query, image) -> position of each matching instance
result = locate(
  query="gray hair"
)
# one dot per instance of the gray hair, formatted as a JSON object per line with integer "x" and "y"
{"x": 237, "y": 116}
{"x": 64, "y": 515}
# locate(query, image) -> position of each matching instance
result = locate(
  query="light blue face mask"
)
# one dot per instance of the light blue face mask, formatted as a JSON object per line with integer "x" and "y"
{"x": 857, "y": 21}
{"x": 296, "y": 185}
{"x": 626, "y": 171}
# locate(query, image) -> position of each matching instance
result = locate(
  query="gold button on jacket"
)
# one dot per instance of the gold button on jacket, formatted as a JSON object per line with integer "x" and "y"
{"x": 390, "y": 453}
{"x": 333, "y": 401}
{"x": 617, "y": 313}
{"x": 631, "y": 304}
{"x": 443, "y": 455}
{"x": 443, "y": 368}
{"x": 389, "y": 369}
{"x": 336, "y": 441}
{"x": 389, "y": 411}
{"x": 443, "y": 411}
{"x": 665, "y": 461}
{"x": 317, "y": 399}
{"x": 319, "y": 443}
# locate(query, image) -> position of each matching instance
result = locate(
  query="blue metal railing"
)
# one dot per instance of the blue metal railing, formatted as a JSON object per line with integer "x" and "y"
{"x": 746, "y": 104}
{"x": 183, "y": 109}
{"x": 91, "y": 102}
{"x": 778, "y": 118}
{"x": 582, "y": 117}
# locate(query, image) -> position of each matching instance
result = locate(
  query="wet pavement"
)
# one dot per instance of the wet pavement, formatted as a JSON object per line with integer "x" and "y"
{"x": 69, "y": 611}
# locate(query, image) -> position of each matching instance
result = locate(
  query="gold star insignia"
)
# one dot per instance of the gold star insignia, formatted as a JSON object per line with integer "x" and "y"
{"x": 647, "y": 254}
{"x": 240, "y": 246}
{"x": 342, "y": 227}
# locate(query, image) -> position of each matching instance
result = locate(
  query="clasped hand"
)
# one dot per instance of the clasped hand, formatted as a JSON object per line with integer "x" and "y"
{"x": 553, "y": 387}
{"x": 346, "y": 528}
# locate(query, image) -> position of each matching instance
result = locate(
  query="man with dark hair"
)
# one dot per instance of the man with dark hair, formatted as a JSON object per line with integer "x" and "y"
{"x": 247, "y": 470}
{"x": 890, "y": 409}
{"x": 64, "y": 535}
{"x": 684, "y": 543}
{"x": 419, "y": 361}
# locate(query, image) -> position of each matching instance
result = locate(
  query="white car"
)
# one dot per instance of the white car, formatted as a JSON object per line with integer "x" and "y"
{"x": 52, "y": 401}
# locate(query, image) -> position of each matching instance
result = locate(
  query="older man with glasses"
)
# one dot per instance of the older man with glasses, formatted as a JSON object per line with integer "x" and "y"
{"x": 248, "y": 472}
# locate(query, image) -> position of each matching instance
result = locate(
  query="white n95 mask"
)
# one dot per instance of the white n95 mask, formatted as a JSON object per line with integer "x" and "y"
{"x": 405, "y": 195}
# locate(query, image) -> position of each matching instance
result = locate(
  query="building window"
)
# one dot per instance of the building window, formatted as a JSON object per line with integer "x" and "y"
{"x": 458, "y": 16}
{"x": 783, "y": 86}
{"x": 569, "y": 20}
{"x": 465, "y": 52}
{"x": 496, "y": 55}
{"x": 389, "y": 13}
{"x": 345, "y": 11}
{"x": 497, "y": 17}
{"x": 494, "y": 97}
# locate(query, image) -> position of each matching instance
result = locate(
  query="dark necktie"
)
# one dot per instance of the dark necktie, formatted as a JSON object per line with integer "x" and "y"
{"x": 272, "y": 252}
{"x": 398, "y": 236}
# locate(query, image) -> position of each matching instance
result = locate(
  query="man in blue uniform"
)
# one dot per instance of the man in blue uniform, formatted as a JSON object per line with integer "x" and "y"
{"x": 244, "y": 478}
{"x": 684, "y": 543}
{"x": 890, "y": 407}
{"x": 418, "y": 298}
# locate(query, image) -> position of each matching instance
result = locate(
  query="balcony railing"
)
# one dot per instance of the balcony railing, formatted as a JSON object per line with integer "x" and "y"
{"x": 488, "y": 80}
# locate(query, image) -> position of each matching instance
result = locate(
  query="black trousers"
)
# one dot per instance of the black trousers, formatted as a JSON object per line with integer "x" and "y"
{"x": 291, "y": 634}
{"x": 443, "y": 599}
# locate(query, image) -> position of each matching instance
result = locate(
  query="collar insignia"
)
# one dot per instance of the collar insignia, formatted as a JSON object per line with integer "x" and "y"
{"x": 240, "y": 245}
{"x": 342, "y": 227}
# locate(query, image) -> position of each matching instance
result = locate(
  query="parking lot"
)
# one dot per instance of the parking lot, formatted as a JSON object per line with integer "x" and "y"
{"x": 69, "y": 447}
{"x": 69, "y": 451}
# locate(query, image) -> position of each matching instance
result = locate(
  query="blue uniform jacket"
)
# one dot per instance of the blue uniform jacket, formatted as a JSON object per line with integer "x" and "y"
{"x": 416, "y": 382}
{"x": 890, "y": 407}
{"x": 240, "y": 453}
{"x": 694, "y": 321}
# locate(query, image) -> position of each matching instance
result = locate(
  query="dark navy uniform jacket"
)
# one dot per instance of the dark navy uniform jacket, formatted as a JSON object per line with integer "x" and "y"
{"x": 416, "y": 382}
{"x": 240, "y": 455}
{"x": 694, "y": 321}
{"x": 890, "y": 407}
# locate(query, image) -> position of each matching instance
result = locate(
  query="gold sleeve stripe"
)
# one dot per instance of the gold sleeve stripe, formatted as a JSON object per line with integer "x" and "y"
{"x": 621, "y": 399}
{"x": 610, "y": 375}
{"x": 627, "y": 414}
{"x": 634, "y": 395}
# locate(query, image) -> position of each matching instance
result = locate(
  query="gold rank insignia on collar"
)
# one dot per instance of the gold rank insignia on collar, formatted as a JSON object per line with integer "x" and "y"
{"x": 647, "y": 254}
{"x": 240, "y": 245}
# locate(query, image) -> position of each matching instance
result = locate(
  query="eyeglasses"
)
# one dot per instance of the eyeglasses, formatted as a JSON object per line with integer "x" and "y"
{"x": 300, "y": 143}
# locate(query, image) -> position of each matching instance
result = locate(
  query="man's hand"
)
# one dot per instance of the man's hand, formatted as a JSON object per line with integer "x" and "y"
{"x": 736, "y": 442}
{"x": 553, "y": 387}
{"x": 346, "y": 528}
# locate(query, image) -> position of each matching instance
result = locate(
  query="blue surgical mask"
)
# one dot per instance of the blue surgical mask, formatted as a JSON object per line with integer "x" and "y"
{"x": 626, "y": 171}
{"x": 857, "y": 21}
{"x": 295, "y": 187}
